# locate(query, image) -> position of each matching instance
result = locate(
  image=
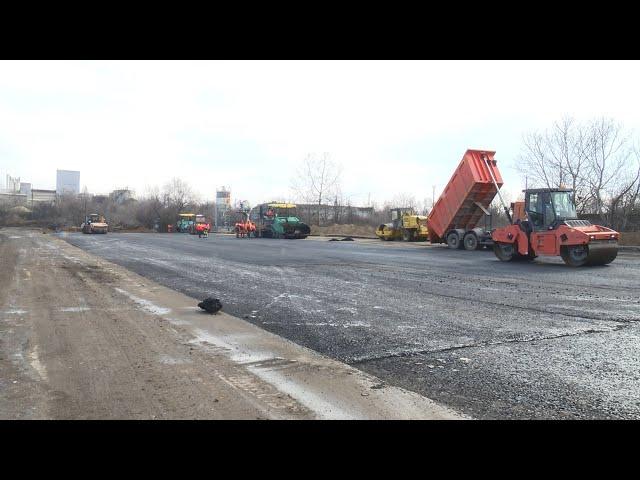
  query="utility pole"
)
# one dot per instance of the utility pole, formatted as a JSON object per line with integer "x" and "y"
{"x": 215, "y": 216}
{"x": 433, "y": 196}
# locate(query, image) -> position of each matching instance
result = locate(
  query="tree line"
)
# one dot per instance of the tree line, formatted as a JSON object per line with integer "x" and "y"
{"x": 156, "y": 208}
{"x": 598, "y": 159}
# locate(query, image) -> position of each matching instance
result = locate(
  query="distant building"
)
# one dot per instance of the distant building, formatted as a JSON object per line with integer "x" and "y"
{"x": 25, "y": 188}
{"x": 42, "y": 196}
{"x": 100, "y": 199}
{"x": 67, "y": 181}
{"x": 12, "y": 184}
{"x": 12, "y": 198}
{"x": 223, "y": 205}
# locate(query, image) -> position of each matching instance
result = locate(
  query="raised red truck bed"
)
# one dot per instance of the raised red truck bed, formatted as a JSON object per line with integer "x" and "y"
{"x": 465, "y": 200}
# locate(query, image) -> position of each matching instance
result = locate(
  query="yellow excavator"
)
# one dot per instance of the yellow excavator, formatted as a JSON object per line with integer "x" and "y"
{"x": 406, "y": 225}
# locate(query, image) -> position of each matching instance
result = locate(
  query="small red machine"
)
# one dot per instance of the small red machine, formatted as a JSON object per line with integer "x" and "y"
{"x": 245, "y": 227}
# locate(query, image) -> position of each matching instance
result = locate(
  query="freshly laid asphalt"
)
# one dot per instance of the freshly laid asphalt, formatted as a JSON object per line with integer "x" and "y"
{"x": 494, "y": 340}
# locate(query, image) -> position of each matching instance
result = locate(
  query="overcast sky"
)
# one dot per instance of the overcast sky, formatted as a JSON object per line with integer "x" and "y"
{"x": 393, "y": 125}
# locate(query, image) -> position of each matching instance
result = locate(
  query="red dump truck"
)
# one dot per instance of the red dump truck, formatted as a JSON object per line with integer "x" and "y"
{"x": 456, "y": 217}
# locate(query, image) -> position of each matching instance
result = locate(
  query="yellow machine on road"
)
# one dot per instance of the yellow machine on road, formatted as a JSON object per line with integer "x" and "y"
{"x": 405, "y": 224}
{"x": 94, "y": 223}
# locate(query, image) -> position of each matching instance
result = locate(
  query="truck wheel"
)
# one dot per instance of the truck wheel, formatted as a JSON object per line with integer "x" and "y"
{"x": 471, "y": 241}
{"x": 504, "y": 251}
{"x": 406, "y": 235}
{"x": 453, "y": 241}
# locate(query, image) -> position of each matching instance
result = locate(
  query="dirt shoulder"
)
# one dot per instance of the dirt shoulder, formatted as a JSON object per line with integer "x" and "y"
{"x": 82, "y": 338}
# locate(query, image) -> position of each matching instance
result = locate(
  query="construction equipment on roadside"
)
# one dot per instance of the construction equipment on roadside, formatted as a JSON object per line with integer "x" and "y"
{"x": 546, "y": 222}
{"x": 94, "y": 223}
{"x": 201, "y": 227}
{"x": 203, "y": 231}
{"x": 278, "y": 220}
{"x": 455, "y": 217}
{"x": 406, "y": 225}
{"x": 551, "y": 227}
{"x": 192, "y": 223}
{"x": 245, "y": 227}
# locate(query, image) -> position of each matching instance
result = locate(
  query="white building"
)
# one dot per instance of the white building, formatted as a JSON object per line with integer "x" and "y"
{"x": 11, "y": 184}
{"x": 223, "y": 204}
{"x": 25, "y": 188}
{"x": 67, "y": 181}
{"x": 42, "y": 196}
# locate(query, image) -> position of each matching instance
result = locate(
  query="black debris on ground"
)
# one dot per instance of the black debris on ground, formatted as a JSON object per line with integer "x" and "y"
{"x": 210, "y": 305}
{"x": 347, "y": 239}
{"x": 334, "y": 240}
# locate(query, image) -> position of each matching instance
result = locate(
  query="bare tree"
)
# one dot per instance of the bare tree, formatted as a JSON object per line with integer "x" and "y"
{"x": 559, "y": 158}
{"x": 534, "y": 158}
{"x": 624, "y": 199}
{"x": 591, "y": 158}
{"x": 70, "y": 209}
{"x": 402, "y": 200}
{"x": 425, "y": 206}
{"x": 179, "y": 194}
{"x": 568, "y": 143}
{"x": 608, "y": 155}
{"x": 338, "y": 202}
{"x": 317, "y": 180}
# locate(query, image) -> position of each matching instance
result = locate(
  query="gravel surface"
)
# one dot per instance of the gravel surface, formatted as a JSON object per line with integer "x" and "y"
{"x": 491, "y": 339}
